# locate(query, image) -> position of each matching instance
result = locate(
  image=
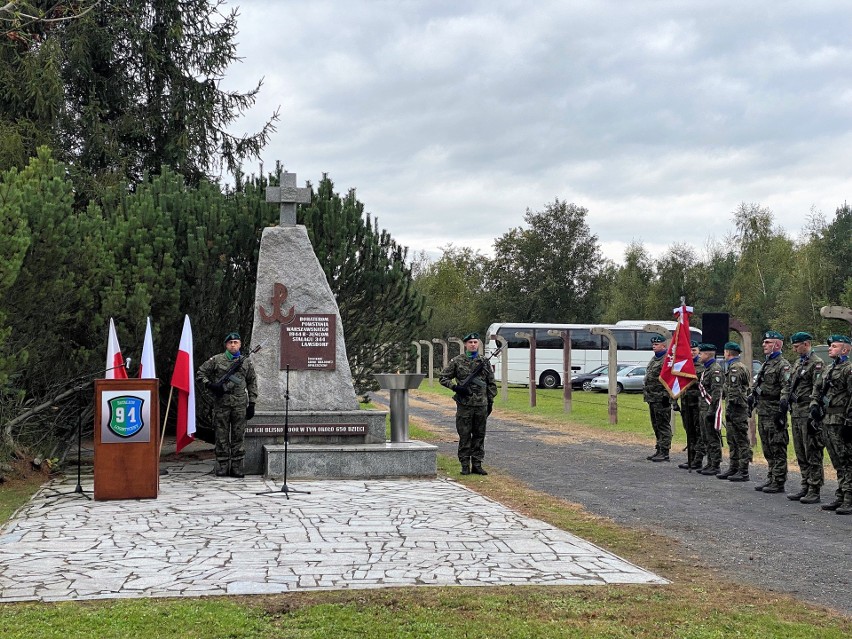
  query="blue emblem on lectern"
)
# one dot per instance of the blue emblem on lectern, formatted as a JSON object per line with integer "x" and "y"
{"x": 125, "y": 415}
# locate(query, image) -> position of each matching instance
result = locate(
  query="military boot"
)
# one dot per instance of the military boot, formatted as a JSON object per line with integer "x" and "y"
{"x": 696, "y": 462}
{"x": 732, "y": 469}
{"x": 465, "y": 468}
{"x": 765, "y": 484}
{"x": 838, "y": 501}
{"x": 688, "y": 463}
{"x": 741, "y": 474}
{"x": 774, "y": 488}
{"x": 709, "y": 470}
{"x": 654, "y": 454}
{"x": 221, "y": 469}
{"x": 812, "y": 497}
{"x": 799, "y": 494}
{"x": 237, "y": 469}
{"x": 661, "y": 456}
{"x": 478, "y": 469}
{"x": 846, "y": 507}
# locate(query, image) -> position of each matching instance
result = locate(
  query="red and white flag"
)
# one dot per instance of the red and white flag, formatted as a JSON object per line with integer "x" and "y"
{"x": 147, "y": 370}
{"x": 678, "y": 368}
{"x": 114, "y": 361}
{"x": 183, "y": 381}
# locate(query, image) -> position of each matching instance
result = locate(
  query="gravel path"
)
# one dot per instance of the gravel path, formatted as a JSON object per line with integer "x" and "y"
{"x": 766, "y": 540}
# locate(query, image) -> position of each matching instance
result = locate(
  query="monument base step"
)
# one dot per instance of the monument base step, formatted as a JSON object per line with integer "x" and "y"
{"x": 352, "y": 461}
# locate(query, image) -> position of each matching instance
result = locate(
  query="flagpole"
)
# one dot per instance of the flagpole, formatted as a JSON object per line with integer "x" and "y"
{"x": 165, "y": 420}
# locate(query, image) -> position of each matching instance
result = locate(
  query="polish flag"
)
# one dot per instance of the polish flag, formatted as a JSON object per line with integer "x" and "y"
{"x": 183, "y": 381}
{"x": 678, "y": 368}
{"x": 147, "y": 370}
{"x": 114, "y": 361}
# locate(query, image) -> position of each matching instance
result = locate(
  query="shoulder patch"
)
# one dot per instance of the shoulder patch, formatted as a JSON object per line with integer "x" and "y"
{"x": 717, "y": 378}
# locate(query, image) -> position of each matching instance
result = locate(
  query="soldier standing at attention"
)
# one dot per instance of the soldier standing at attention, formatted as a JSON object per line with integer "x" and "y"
{"x": 710, "y": 379}
{"x": 796, "y": 397}
{"x": 233, "y": 404}
{"x": 474, "y": 401}
{"x": 831, "y": 404}
{"x": 659, "y": 401}
{"x": 735, "y": 390}
{"x": 695, "y": 448}
{"x": 771, "y": 422}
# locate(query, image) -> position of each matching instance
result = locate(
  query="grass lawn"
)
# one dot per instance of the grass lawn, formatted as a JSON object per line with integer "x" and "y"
{"x": 698, "y": 604}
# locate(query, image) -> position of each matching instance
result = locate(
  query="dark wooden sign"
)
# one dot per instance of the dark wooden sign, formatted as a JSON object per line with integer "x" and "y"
{"x": 309, "y": 342}
{"x": 302, "y": 430}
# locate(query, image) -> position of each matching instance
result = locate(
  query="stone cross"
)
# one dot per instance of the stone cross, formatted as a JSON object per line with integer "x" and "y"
{"x": 288, "y": 195}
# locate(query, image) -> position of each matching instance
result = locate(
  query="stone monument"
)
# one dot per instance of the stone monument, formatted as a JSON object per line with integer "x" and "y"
{"x": 298, "y": 323}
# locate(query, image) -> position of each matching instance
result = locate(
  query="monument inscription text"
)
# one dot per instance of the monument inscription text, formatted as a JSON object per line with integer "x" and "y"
{"x": 309, "y": 342}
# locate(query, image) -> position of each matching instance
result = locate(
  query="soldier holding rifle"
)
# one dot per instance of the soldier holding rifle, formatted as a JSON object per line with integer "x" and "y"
{"x": 831, "y": 412}
{"x": 795, "y": 398}
{"x": 470, "y": 376}
{"x": 230, "y": 379}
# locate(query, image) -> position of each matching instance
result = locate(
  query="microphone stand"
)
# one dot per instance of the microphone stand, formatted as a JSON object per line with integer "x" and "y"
{"x": 79, "y": 384}
{"x": 285, "y": 489}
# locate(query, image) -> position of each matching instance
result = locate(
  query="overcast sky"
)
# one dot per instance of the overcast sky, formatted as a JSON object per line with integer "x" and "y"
{"x": 451, "y": 118}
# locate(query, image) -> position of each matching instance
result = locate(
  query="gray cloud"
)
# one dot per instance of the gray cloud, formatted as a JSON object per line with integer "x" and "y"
{"x": 453, "y": 118}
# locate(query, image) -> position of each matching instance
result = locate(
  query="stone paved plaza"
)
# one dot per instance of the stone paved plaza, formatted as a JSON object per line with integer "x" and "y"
{"x": 210, "y": 536}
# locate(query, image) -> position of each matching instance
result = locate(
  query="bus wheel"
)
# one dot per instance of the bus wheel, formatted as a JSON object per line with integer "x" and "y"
{"x": 549, "y": 379}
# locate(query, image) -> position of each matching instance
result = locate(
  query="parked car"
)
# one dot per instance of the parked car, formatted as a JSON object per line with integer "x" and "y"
{"x": 584, "y": 380}
{"x": 628, "y": 378}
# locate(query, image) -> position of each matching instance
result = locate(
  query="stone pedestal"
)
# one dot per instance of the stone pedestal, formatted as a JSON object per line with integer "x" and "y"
{"x": 298, "y": 322}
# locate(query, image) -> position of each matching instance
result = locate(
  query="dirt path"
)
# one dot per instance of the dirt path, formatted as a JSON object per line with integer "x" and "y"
{"x": 765, "y": 540}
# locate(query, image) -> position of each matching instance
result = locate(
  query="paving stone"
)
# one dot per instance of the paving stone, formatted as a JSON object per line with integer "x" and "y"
{"x": 208, "y": 536}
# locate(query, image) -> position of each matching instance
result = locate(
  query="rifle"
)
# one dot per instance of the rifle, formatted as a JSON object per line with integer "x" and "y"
{"x": 464, "y": 386}
{"x": 751, "y": 398}
{"x": 232, "y": 370}
{"x": 818, "y": 415}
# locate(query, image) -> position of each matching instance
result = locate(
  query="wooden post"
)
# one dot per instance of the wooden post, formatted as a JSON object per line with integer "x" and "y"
{"x": 428, "y": 345}
{"x": 530, "y": 336}
{"x": 504, "y": 366}
{"x": 566, "y": 367}
{"x": 612, "y": 363}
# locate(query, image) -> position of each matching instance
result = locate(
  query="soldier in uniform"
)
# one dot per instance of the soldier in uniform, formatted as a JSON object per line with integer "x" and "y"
{"x": 831, "y": 404}
{"x": 659, "y": 401}
{"x": 771, "y": 422}
{"x": 689, "y": 413}
{"x": 474, "y": 401}
{"x": 233, "y": 404}
{"x": 735, "y": 390}
{"x": 710, "y": 380}
{"x": 796, "y": 397}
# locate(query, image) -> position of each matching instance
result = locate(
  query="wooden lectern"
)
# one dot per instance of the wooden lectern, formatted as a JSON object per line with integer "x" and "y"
{"x": 127, "y": 418}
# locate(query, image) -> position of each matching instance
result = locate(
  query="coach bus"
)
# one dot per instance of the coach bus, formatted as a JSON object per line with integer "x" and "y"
{"x": 588, "y": 351}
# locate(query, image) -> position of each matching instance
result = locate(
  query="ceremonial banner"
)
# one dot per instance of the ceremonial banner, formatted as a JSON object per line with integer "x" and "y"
{"x": 678, "y": 368}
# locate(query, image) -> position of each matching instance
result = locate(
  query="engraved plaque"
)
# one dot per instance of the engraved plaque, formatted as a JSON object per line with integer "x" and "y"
{"x": 309, "y": 342}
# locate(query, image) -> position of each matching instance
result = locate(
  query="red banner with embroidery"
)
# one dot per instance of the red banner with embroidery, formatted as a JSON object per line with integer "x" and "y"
{"x": 678, "y": 368}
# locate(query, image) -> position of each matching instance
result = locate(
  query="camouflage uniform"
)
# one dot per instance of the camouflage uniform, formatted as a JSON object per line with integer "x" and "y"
{"x": 797, "y": 393}
{"x": 472, "y": 410}
{"x": 229, "y": 411}
{"x": 656, "y": 395}
{"x": 771, "y": 425}
{"x": 735, "y": 391}
{"x": 689, "y": 412}
{"x": 834, "y": 390}
{"x": 710, "y": 380}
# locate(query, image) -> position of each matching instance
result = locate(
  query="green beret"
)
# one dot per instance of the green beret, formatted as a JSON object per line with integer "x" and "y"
{"x": 470, "y": 336}
{"x": 656, "y": 339}
{"x": 232, "y": 335}
{"x": 800, "y": 337}
{"x": 843, "y": 339}
{"x": 733, "y": 346}
{"x": 706, "y": 347}
{"x": 695, "y": 344}
{"x": 773, "y": 335}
